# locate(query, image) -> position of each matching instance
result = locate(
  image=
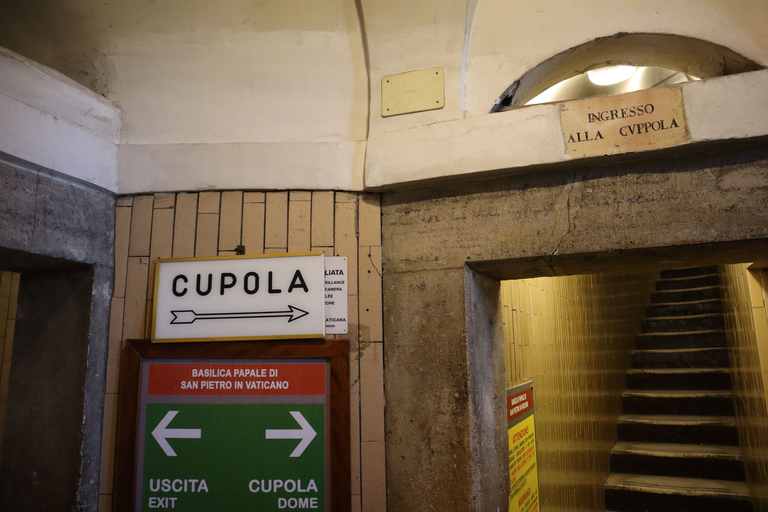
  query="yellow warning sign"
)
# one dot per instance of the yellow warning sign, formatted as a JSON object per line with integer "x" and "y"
{"x": 523, "y": 470}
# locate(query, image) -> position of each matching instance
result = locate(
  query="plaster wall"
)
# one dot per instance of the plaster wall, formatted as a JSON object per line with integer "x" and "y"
{"x": 273, "y": 91}
{"x": 655, "y": 213}
{"x": 283, "y": 94}
{"x": 52, "y": 122}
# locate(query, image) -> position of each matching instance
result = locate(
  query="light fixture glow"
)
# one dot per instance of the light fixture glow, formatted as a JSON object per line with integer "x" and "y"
{"x": 611, "y": 75}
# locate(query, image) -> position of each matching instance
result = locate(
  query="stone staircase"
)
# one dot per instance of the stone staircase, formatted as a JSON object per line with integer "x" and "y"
{"x": 678, "y": 444}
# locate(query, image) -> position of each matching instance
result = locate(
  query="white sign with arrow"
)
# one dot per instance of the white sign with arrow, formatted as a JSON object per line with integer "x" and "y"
{"x": 239, "y": 297}
{"x": 306, "y": 433}
{"x": 162, "y": 433}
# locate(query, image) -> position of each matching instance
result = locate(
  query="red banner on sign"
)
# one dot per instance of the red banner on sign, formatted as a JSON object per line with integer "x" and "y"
{"x": 519, "y": 404}
{"x": 237, "y": 379}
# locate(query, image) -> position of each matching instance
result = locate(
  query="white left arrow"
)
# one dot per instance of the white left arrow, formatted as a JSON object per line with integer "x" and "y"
{"x": 306, "y": 433}
{"x": 162, "y": 433}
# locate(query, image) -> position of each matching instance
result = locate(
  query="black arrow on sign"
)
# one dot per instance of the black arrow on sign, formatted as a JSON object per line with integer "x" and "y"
{"x": 188, "y": 316}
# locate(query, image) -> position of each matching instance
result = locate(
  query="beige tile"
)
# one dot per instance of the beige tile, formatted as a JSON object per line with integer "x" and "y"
{"x": 346, "y": 197}
{"x": 105, "y": 503}
{"x": 209, "y": 202}
{"x": 5, "y": 283}
{"x": 374, "y": 477}
{"x": 230, "y": 222}
{"x": 10, "y": 329}
{"x": 299, "y": 214}
{"x": 322, "y": 219}
{"x": 755, "y": 288}
{"x": 345, "y": 228}
{"x": 207, "y": 238}
{"x": 184, "y": 226}
{"x": 108, "y": 438}
{"x": 125, "y": 201}
{"x": 253, "y": 197}
{"x": 148, "y": 334}
{"x": 276, "y": 250}
{"x": 299, "y": 195}
{"x": 135, "y": 298}
{"x": 371, "y": 392}
{"x": 5, "y": 378}
{"x": 370, "y": 220}
{"x": 115, "y": 345}
{"x": 327, "y": 250}
{"x": 122, "y": 235}
{"x": 141, "y": 226}
{"x": 162, "y": 243}
{"x": 357, "y": 505}
{"x": 2, "y": 422}
{"x": 354, "y": 435}
{"x": 4, "y": 310}
{"x": 276, "y": 220}
{"x": 165, "y": 200}
{"x": 353, "y": 322}
{"x": 227, "y": 253}
{"x": 371, "y": 328}
{"x": 253, "y": 227}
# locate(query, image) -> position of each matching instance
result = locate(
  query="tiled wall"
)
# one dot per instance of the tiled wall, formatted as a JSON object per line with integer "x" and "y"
{"x": 9, "y": 292}
{"x": 746, "y": 320}
{"x": 215, "y": 223}
{"x": 572, "y": 337}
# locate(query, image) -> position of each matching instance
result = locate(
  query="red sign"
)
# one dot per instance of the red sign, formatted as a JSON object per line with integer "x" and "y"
{"x": 519, "y": 404}
{"x": 236, "y": 379}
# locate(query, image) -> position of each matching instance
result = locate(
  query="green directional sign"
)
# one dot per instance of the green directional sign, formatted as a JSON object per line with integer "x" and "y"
{"x": 247, "y": 435}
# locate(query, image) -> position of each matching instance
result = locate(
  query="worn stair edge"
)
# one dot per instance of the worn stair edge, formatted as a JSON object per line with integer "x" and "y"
{"x": 677, "y": 371}
{"x": 699, "y": 357}
{"x": 667, "y": 419}
{"x": 677, "y": 393}
{"x": 672, "y": 296}
{"x": 673, "y": 273}
{"x": 688, "y": 283}
{"x": 678, "y": 485}
{"x": 678, "y": 450}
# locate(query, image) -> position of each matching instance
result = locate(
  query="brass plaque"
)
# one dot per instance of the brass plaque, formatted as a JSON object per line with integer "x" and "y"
{"x": 414, "y": 91}
{"x": 635, "y": 121}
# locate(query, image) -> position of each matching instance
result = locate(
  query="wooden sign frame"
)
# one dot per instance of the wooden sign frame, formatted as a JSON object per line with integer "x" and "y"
{"x": 333, "y": 351}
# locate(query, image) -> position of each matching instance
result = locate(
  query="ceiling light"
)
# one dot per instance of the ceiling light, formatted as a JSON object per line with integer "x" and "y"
{"x": 611, "y": 75}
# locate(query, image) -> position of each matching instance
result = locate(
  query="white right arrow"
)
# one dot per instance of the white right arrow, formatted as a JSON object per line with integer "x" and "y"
{"x": 161, "y": 433}
{"x": 306, "y": 434}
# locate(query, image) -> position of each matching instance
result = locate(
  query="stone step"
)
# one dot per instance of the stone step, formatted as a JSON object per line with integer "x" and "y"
{"x": 679, "y": 378}
{"x": 696, "y": 307}
{"x": 678, "y": 402}
{"x": 680, "y": 460}
{"x": 677, "y": 340}
{"x": 695, "y": 294}
{"x": 678, "y": 429}
{"x": 687, "y": 283}
{"x": 705, "y": 322}
{"x": 688, "y": 272}
{"x": 643, "y": 493}
{"x": 681, "y": 358}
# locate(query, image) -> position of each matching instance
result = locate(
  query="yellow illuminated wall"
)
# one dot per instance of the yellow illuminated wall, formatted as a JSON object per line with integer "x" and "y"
{"x": 746, "y": 320}
{"x": 572, "y": 336}
{"x": 9, "y": 291}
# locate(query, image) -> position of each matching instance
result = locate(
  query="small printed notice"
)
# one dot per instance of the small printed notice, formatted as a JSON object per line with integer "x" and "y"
{"x": 336, "y": 293}
{"x": 636, "y": 121}
{"x": 523, "y": 468}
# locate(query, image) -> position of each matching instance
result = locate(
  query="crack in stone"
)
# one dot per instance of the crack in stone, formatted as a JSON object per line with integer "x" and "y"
{"x": 567, "y": 232}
